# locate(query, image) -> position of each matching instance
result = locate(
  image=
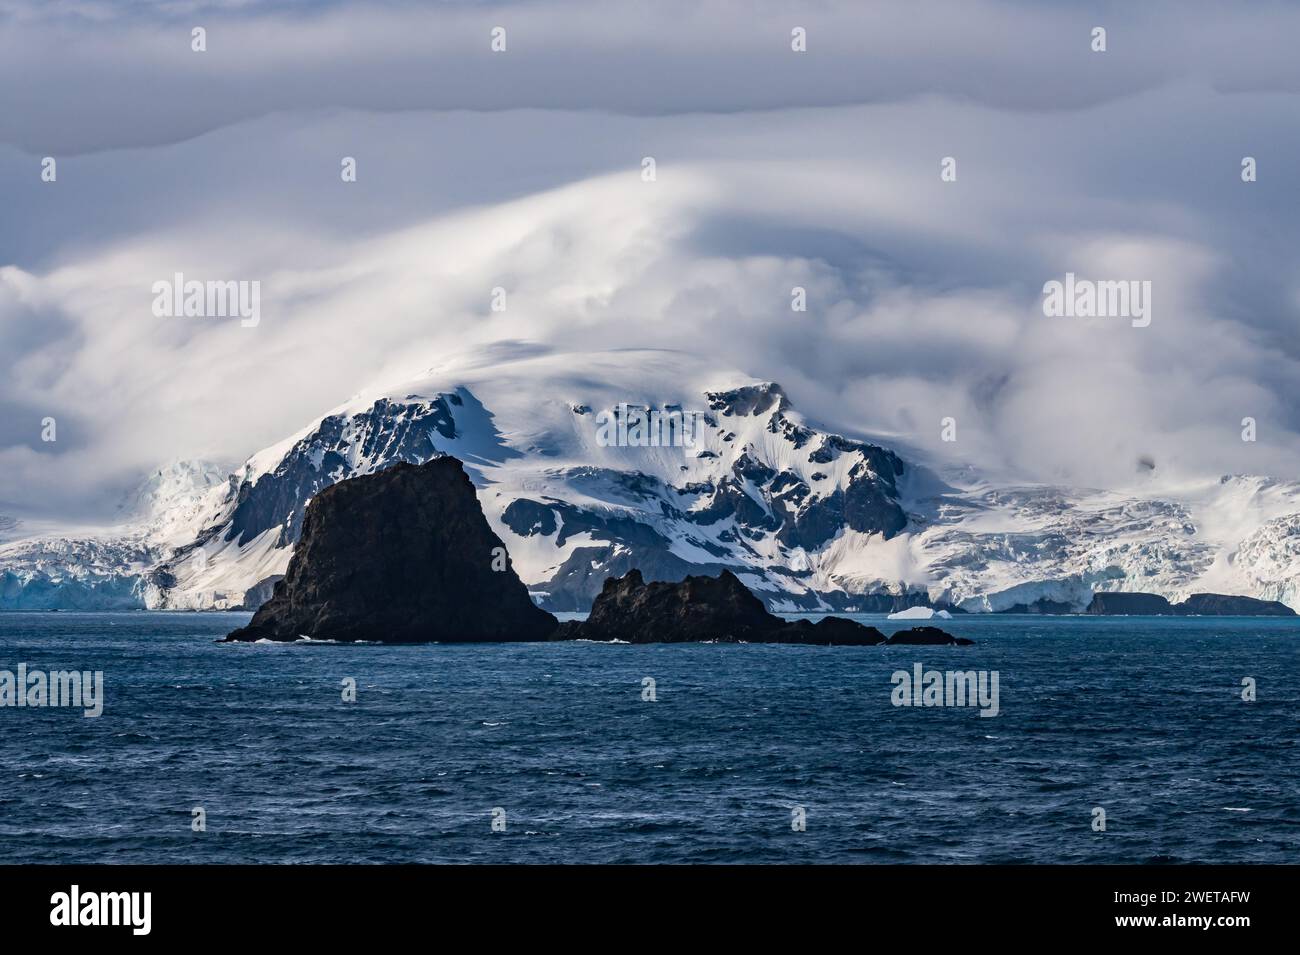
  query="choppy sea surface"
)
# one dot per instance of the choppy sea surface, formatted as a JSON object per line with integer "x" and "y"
{"x": 1141, "y": 717}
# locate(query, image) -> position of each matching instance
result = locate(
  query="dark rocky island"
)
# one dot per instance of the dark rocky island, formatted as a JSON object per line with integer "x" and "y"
{"x": 927, "y": 637}
{"x": 1208, "y": 605}
{"x": 401, "y": 556}
{"x": 405, "y": 555}
{"x": 718, "y": 609}
{"x": 1226, "y": 605}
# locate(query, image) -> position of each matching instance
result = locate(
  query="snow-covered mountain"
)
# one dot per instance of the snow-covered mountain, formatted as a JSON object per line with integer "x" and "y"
{"x": 755, "y": 490}
{"x": 808, "y": 519}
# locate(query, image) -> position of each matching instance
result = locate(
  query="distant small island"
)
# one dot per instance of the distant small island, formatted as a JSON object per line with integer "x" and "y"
{"x": 1127, "y": 603}
{"x": 405, "y": 555}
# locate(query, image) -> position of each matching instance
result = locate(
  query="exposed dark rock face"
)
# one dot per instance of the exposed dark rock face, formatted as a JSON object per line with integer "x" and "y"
{"x": 748, "y": 399}
{"x": 401, "y": 556}
{"x": 387, "y": 432}
{"x": 1224, "y": 605}
{"x": 1208, "y": 605}
{"x": 1130, "y": 604}
{"x": 797, "y": 518}
{"x": 718, "y": 609}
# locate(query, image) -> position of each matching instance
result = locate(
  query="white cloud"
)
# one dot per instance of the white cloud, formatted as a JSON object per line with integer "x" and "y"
{"x": 133, "y": 63}
{"x": 924, "y": 296}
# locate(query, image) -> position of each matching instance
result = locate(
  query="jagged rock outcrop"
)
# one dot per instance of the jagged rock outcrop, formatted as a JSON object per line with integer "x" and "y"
{"x": 719, "y": 609}
{"x": 388, "y": 432}
{"x": 401, "y": 556}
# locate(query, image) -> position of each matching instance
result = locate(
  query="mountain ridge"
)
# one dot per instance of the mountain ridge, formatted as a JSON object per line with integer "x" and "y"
{"x": 808, "y": 519}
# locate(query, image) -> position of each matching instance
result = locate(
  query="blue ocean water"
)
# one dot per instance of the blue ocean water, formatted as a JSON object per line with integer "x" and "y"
{"x": 1142, "y": 717}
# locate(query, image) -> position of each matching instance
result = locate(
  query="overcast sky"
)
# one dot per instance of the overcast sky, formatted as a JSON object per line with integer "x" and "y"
{"x": 521, "y": 169}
